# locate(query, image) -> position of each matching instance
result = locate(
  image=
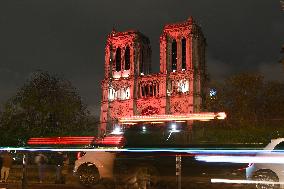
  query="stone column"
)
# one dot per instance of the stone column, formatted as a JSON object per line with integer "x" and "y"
{"x": 163, "y": 53}
{"x": 188, "y": 52}
{"x": 157, "y": 89}
{"x": 132, "y": 63}
{"x": 140, "y": 90}
{"x": 122, "y": 61}
{"x": 107, "y": 61}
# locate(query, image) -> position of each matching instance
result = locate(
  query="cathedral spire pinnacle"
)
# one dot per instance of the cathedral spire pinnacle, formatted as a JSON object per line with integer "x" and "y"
{"x": 113, "y": 31}
{"x": 190, "y": 20}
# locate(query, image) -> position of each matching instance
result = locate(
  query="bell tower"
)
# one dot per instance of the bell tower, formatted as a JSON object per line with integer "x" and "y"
{"x": 182, "y": 59}
{"x": 182, "y": 45}
{"x": 127, "y": 56}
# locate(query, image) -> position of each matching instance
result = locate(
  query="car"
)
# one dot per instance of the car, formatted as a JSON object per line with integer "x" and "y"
{"x": 268, "y": 166}
{"x": 147, "y": 155}
{"x": 91, "y": 167}
{"x": 94, "y": 166}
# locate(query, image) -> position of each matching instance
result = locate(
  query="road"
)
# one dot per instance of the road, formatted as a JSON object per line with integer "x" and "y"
{"x": 72, "y": 183}
{"x": 199, "y": 178}
{"x": 18, "y": 185}
{"x": 37, "y": 186}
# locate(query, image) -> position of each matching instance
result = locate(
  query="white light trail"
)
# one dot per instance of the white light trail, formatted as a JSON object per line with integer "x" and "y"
{"x": 243, "y": 181}
{"x": 202, "y": 154}
{"x": 265, "y": 158}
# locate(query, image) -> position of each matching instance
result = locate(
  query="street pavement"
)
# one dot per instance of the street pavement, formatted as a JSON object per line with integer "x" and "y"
{"x": 101, "y": 186}
{"x": 38, "y": 186}
{"x": 72, "y": 182}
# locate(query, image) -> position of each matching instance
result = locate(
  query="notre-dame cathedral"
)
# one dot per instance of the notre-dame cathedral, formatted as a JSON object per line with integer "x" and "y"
{"x": 129, "y": 88}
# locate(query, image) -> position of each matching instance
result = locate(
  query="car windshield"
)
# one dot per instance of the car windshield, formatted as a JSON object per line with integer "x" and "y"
{"x": 162, "y": 134}
{"x": 156, "y": 135}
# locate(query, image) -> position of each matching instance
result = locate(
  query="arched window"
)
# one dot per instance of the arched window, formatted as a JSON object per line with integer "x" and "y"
{"x": 146, "y": 90}
{"x": 127, "y": 59}
{"x": 174, "y": 56}
{"x": 183, "y": 54}
{"x": 110, "y": 62}
{"x": 142, "y": 88}
{"x": 141, "y": 69}
{"x": 118, "y": 60}
{"x": 149, "y": 89}
{"x": 154, "y": 90}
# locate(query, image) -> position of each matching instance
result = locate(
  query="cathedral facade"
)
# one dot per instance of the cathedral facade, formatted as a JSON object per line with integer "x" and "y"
{"x": 129, "y": 88}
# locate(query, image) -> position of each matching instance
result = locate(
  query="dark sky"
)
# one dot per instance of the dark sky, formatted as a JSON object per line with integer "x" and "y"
{"x": 67, "y": 37}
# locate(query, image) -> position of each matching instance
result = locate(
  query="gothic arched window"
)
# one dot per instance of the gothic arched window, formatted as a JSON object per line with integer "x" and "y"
{"x": 142, "y": 62}
{"x": 183, "y": 54}
{"x": 174, "y": 55}
{"x": 127, "y": 59}
{"x": 118, "y": 60}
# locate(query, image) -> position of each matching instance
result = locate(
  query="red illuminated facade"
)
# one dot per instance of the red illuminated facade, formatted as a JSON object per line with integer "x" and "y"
{"x": 129, "y": 88}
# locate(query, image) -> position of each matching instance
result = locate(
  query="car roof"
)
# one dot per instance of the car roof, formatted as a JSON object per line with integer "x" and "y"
{"x": 273, "y": 143}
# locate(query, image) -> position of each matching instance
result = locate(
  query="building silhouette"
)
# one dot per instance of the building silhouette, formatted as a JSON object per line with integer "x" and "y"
{"x": 129, "y": 88}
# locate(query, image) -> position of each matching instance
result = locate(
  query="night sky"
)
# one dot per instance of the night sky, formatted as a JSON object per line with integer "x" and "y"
{"x": 67, "y": 37}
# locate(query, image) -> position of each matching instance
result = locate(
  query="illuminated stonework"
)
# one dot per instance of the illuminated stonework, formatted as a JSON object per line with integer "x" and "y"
{"x": 129, "y": 88}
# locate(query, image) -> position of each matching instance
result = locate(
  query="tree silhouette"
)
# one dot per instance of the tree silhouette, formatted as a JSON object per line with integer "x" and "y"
{"x": 46, "y": 105}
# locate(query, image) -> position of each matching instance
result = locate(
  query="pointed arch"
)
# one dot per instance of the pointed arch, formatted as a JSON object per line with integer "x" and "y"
{"x": 127, "y": 58}
{"x": 183, "y": 54}
{"x": 118, "y": 60}
{"x": 174, "y": 55}
{"x": 141, "y": 69}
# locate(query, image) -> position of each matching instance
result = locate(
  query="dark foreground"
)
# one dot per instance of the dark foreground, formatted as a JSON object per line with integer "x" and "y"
{"x": 195, "y": 175}
{"x": 15, "y": 181}
{"x": 107, "y": 186}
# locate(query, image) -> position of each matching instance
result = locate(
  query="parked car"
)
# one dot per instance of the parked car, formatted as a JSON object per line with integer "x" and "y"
{"x": 147, "y": 167}
{"x": 269, "y": 166}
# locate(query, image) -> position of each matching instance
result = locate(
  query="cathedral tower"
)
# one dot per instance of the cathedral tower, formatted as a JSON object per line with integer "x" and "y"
{"x": 127, "y": 56}
{"x": 182, "y": 59}
{"x": 129, "y": 88}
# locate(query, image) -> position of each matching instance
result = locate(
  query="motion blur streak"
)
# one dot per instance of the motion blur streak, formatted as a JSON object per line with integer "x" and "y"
{"x": 243, "y": 181}
{"x": 202, "y": 154}
{"x": 62, "y": 140}
{"x": 266, "y": 158}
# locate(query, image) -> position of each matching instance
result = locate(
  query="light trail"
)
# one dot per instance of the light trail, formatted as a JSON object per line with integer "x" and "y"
{"x": 204, "y": 116}
{"x": 228, "y": 181}
{"x": 208, "y": 153}
{"x": 264, "y": 158}
{"x": 212, "y": 156}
